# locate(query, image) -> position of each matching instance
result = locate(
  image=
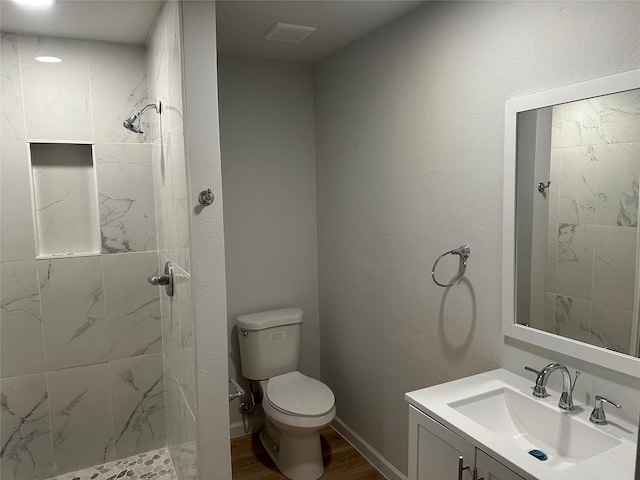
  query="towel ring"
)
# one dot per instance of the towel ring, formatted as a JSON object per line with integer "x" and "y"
{"x": 464, "y": 251}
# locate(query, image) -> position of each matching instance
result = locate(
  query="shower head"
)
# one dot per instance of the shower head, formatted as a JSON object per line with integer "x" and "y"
{"x": 130, "y": 123}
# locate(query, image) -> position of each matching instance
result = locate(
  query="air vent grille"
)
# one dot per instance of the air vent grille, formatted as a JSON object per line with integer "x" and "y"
{"x": 285, "y": 32}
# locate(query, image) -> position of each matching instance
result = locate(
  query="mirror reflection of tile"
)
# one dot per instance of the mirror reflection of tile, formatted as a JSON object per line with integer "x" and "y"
{"x": 593, "y": 220}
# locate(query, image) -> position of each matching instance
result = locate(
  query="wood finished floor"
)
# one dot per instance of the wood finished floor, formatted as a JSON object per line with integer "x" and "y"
{"x": 341, "y": 460}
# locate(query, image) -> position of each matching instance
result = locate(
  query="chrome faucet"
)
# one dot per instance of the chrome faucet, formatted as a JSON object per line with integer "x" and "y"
{"x": 540, "y": 389}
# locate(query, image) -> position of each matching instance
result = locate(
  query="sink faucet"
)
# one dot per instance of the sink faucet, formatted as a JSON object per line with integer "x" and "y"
{"x": 540, "y": 389}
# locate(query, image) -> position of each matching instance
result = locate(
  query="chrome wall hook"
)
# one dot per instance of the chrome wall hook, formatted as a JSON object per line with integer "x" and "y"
{"x": 542, "y": 187}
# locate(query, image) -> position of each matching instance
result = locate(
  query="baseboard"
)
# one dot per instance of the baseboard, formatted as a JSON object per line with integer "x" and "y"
{"x": 367, "y": 451}
{"x": 249, "y": 425}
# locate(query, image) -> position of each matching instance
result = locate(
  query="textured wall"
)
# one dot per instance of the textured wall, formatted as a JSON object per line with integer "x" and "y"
{"x": 207, "y": 241}
{"x": 268, "y": 177}
{"x": 81, "y": 335}
{"x": 164, "y": 70}
{"x": 409, "y": 135}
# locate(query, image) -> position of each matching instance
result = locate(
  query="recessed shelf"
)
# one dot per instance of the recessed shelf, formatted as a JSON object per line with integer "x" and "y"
{"x": 66, "y": 199}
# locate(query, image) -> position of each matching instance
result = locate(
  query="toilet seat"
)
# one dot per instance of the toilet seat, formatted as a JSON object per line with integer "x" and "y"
{"x": 296, "y": 394}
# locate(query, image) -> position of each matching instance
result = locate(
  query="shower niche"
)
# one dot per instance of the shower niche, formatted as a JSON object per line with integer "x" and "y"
{"x": 65, "y": 195}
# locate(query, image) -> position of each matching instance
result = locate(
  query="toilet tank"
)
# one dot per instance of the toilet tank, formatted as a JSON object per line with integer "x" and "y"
{"x": 269, "y": 342}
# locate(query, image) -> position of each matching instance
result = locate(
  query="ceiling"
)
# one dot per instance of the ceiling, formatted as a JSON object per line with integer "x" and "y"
{"x": 240, "y": 24}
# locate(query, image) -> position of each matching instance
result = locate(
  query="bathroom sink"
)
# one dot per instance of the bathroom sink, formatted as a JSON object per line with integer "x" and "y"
{"x": 531, "y": 425}
{"x": 496, "y": 412}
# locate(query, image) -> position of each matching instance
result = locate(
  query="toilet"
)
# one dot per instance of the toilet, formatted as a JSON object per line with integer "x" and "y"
{"x": 296, "y": 407}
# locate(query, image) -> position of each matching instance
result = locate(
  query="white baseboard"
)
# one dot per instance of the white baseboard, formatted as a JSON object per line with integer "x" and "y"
{"x": 367, "y": 451}
{"x": 249, "y": 425}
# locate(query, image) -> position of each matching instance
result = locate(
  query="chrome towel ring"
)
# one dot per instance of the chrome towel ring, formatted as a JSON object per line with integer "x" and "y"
{"x": 464, "y": 251}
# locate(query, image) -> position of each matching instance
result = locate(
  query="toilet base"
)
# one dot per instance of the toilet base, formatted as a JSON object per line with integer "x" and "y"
{"x": 298, "y": 457}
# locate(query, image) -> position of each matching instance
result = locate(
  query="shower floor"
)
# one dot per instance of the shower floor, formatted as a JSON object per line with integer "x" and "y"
{"x": 153, "y": 465}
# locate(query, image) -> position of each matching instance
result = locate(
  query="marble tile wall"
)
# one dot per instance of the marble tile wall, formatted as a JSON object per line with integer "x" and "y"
{"x": 593, "y": 219}
{"x": 169, "y": 174}
{"x": 81, "y": 356}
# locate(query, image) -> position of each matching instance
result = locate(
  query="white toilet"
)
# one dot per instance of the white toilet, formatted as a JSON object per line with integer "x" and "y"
{"x": 296, "y": 407}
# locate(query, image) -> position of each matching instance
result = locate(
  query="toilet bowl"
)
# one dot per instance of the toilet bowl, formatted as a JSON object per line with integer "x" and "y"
{"x": 297, "y": 408}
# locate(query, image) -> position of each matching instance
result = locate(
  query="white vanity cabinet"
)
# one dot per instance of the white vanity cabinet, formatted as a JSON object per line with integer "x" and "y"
{"x": 435, "y": 451}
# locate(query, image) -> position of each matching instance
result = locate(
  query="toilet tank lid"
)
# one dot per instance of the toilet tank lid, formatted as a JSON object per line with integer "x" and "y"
{"x": 272, "y": 318}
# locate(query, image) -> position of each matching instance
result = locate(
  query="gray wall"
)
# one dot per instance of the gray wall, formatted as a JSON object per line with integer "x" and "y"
{"x": 268, "y": 178}
{"x": 409, "y": 135}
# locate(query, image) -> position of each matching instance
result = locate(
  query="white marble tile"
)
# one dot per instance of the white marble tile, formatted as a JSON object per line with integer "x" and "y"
{"x": 25, "y": 434}
{"x": 550, "y": 300}
{"x": 81, "y": 417}
{"x": 138, "y": 404}
{"x": 170, "y": 320}
{"x": 22, "y": 349}
{"x": 178, "y": 225}
{"x": 555, "y": 174}
{"x": 157, "y": 74}
{"x": 614, "y": 266}
{"x": 172, "y": 115}
{"x": 575, "y": 260}
{"x": 556, "y": 127}
{"x": 118, "y": 90}
{"x": 620, "y": 117}
{"x": 159, "y": 165}
{"x": 65, "y": 198}
{"x": 618, "y": 172}
{"x": 580, "y": 121}
{"x": 174, "y": 401}
{"x": 126, "y": 197}
{"x": 577, "y": 196}
{"x": 610, "y": 327}
{"x": 179, "y": 344}
{"x": 572, "y": 317}
{"x": 132, "y": 304}
{"x": 73, "y": 314}
{"x": 17, "y": 234}
{"x": 60, "y": 107}
{"x": 180, "y": 428}
{"x": 12, "y": 111}
{"x": 185, "y": 454}
{"x": 552, "y": 257}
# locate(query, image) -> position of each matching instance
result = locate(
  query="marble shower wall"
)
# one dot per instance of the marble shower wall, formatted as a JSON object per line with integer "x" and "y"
{"x": 593, "y": 219}
{"x": 81, "y": 354}
{"x": 170, "y": 180}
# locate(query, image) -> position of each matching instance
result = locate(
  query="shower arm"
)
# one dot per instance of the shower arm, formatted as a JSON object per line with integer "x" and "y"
{"x": 157, "y": 106}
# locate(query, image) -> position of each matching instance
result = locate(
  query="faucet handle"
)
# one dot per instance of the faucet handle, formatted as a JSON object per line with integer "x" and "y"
{"x": 597, "y": 415}
{"x": 537, "y": 372}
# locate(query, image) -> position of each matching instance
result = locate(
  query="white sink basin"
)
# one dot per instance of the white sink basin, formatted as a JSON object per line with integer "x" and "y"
{"x": 496, "y": 412}
{"x": 529, "y": 425}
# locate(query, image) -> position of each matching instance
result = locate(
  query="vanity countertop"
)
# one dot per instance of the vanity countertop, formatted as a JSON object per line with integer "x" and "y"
{"x": 584, "y": 450}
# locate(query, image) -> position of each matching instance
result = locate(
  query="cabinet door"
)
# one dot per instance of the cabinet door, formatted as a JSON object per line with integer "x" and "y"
{"x": 434, "y": 450}
{"x": 491, "y": 469}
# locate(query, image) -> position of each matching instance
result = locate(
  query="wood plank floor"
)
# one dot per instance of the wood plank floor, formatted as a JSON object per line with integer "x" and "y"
{"x": 341, "y": 460}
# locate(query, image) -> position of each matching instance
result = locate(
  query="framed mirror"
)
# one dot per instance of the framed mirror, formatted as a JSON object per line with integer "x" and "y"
{"x": 571, "y": 249}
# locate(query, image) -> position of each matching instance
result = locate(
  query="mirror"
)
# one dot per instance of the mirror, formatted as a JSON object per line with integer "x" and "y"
{"x": 572, "y": 170}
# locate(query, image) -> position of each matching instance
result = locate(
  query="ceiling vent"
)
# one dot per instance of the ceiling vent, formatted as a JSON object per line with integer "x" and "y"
{"x": 284, "y": 32}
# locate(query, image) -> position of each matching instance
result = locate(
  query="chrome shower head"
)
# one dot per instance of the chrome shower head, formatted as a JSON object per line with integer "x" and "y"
{"x": 130, "y": 123}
